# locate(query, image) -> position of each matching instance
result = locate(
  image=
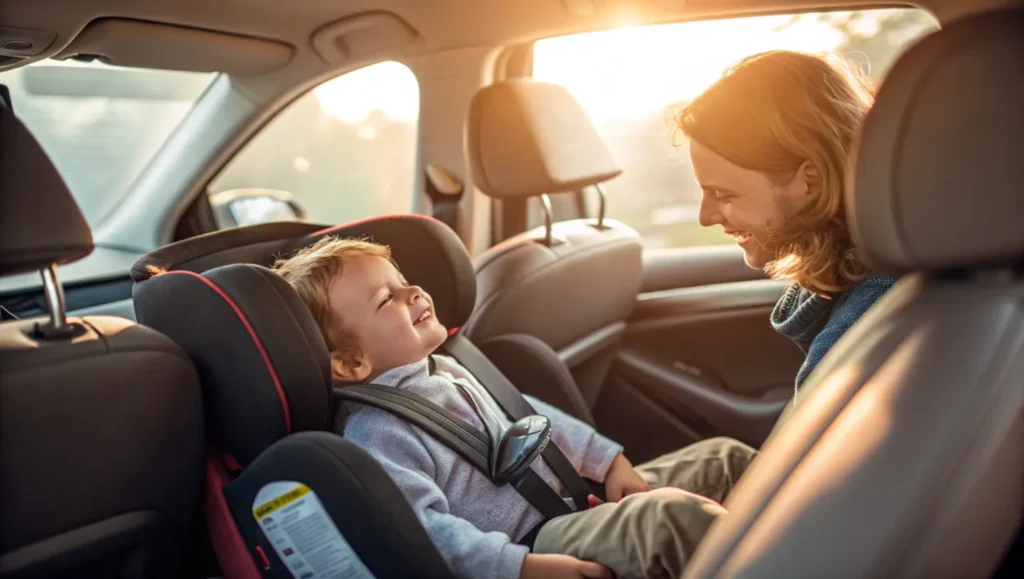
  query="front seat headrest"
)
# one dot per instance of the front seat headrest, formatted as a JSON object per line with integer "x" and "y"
{"x": 527, "y": 138}
{"x": 932, "y": 190}
{"x": 263, "y": 364}
{"x": 40, "y": 223}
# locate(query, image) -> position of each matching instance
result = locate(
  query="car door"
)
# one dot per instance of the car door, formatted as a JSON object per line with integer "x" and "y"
{"x": 699, "y": 358}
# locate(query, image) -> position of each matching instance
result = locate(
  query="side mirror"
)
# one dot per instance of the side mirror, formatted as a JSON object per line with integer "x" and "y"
{"x": 241, "y": 207}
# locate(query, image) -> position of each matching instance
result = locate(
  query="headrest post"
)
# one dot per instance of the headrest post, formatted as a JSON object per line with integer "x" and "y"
{"x": 54, "y": 299}
{"x": 600, "y": 208}
{"x": 545, "y": 203}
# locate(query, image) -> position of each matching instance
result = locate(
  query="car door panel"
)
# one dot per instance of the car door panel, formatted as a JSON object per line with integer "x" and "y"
{"x": 700, "y": 349}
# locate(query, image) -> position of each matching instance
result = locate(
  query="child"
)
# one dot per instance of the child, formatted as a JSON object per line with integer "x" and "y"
{"x": 380, "y": 329}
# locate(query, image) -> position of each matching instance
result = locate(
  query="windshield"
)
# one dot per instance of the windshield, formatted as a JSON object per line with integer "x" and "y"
{"x": 101, "y": 124}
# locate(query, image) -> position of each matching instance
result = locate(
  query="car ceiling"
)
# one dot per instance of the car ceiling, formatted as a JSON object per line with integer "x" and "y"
{"x": 253, "y": 37}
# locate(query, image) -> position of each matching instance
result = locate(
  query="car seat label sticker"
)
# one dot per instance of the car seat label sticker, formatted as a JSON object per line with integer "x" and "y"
{"x": 303, "y": 535}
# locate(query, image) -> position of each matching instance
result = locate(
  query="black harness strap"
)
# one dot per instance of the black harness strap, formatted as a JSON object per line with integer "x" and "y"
{"x": 456, "y": 434}
{"x": 513, "y": 403}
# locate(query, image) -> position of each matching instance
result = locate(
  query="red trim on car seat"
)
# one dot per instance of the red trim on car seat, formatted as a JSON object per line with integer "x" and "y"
{"x": 231, "y": 463}
{"x": 255, "y": 340}
{"x": 453, "y": 331}
{"x": 228, "y": 545}
{"x": 367, "y": 220}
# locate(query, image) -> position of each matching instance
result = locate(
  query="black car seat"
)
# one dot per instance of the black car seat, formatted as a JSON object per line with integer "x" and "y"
{"x": 905, "y": 456}
{"x": 570, "y": 285}
{"x": 265, "y": 372}
{"x": 101, "y": 433}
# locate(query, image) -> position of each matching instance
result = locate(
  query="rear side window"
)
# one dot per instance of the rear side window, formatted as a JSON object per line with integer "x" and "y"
{"x": 345, "y": 150}
{"x": 627, "y": 79}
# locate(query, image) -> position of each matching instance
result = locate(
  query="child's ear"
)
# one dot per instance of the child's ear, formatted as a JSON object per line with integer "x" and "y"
{"x": 349, "y": 368}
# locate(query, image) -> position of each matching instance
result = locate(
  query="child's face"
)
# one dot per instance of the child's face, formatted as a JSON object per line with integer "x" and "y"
{"x": 393, "y": 321}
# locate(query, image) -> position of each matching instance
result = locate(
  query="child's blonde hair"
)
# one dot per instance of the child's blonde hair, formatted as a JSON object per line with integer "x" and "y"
{"x": 311, "y": 272}
{"x": 770, "y": 113}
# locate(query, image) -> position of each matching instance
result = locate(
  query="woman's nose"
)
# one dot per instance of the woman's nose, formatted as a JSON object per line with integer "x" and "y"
{"x": 709, "y": 214}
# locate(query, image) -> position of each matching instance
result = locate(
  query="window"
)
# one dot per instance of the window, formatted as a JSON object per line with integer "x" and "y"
{"x": 100, "y": 124}
{"x": 343, "y": 151}
{"x": 626, "y": 80}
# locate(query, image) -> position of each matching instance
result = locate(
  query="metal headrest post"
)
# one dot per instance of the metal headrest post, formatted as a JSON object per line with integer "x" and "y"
{"x": 54, "y": 293}
{"x": 545, "y": 203}
{"x": 600, "y": 208}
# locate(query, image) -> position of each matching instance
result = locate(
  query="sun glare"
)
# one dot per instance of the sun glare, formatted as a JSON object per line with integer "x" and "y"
{"x": 389, "y": 87}
{"x": 630, "y": 72}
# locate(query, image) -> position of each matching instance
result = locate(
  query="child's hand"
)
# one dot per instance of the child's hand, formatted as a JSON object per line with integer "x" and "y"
{"x": 622, "y": 481}
{"x": 561, "y": 567}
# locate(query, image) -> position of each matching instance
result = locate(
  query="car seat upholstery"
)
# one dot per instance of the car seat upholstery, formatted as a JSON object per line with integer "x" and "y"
{"x": 265, "y": 371}
{"x": 905, "y": 454}
{"x": 100, "y": 418}
{"x": 526, "y": 139}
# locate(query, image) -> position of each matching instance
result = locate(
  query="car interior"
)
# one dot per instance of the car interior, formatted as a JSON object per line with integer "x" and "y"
{"x": 164, "y": 395}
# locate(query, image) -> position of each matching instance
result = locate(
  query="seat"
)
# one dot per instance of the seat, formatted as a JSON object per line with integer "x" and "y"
{"x": 570, "y": 285}
{"x": 905, "y": 454}
{"x": 265, "y": 372}
{"x": 100, "y": 418}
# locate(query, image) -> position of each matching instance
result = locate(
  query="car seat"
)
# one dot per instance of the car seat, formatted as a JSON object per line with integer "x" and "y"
{"x": 265, "y": 372}
{"x": 101, "y": 432}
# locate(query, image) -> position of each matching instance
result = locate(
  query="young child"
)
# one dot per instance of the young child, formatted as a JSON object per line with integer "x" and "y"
{"x": 382, "y": 330}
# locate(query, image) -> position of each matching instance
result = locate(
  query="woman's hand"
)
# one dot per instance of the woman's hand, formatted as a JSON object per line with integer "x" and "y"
{"x": 622, "y": 481}
{"x": 561, "y": 567}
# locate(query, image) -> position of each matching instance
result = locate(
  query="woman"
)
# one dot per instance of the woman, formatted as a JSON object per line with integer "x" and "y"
{"x": 769, "y": 144}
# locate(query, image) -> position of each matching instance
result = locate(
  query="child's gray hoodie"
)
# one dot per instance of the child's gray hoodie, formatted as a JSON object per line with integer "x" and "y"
{"x": 474, "y": 523}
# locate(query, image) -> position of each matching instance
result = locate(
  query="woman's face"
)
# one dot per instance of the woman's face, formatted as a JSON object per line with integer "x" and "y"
{"x": 746, "y": 203}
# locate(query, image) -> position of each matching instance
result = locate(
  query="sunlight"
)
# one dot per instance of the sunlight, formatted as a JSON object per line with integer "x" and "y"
{"x": 613, "y": 73}
{"x": 389, "y": 87}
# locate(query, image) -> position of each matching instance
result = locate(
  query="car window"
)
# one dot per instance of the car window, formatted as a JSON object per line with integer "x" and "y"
{"x": 628, "y": 79}
{"x": 343, "y": 151}
{"x": 100, "y": 124}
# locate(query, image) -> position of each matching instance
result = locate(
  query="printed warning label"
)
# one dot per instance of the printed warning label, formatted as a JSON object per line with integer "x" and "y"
{"x": 303, "y": 535}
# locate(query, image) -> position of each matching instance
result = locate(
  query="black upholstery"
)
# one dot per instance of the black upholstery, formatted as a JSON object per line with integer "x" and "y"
{"x": 904, "y": 456}
{"x": 255, "y": 345}
{"x": 32, "y": 193}
{"x": 364, "y": 504}
{"x": 101, "y": 432}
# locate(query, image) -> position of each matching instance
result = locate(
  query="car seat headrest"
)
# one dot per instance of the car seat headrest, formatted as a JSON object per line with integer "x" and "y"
{"x": 261, "y": 358}
{"x": 938, "y": 179}
{"x": 40, "y": 223}
{"x": 428, "y": 251}
{"x": 527, "y": 138}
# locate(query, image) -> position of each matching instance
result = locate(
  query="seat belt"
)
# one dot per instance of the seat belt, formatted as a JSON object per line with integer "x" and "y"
{"x": 445, "y": 191}
{"x": 513, "y": 403}
{"x": 455, "y": 433}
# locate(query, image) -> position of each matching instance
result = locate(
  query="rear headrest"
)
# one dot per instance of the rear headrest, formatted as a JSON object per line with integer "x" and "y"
{"x": 262, "y": 361}
{"x": 938, "y": 180}
{"x": 40, "y": 223}
{"x": 527, "y": 138}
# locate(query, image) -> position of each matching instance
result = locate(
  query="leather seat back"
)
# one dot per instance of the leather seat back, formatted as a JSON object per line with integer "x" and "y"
{"x": 101, "y": 427}
{"x": 526, "y": 139}
{"x": 905, "y": 454}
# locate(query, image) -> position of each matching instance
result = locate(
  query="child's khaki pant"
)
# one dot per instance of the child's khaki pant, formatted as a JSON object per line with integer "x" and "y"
{"x": 653, "y": 535}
